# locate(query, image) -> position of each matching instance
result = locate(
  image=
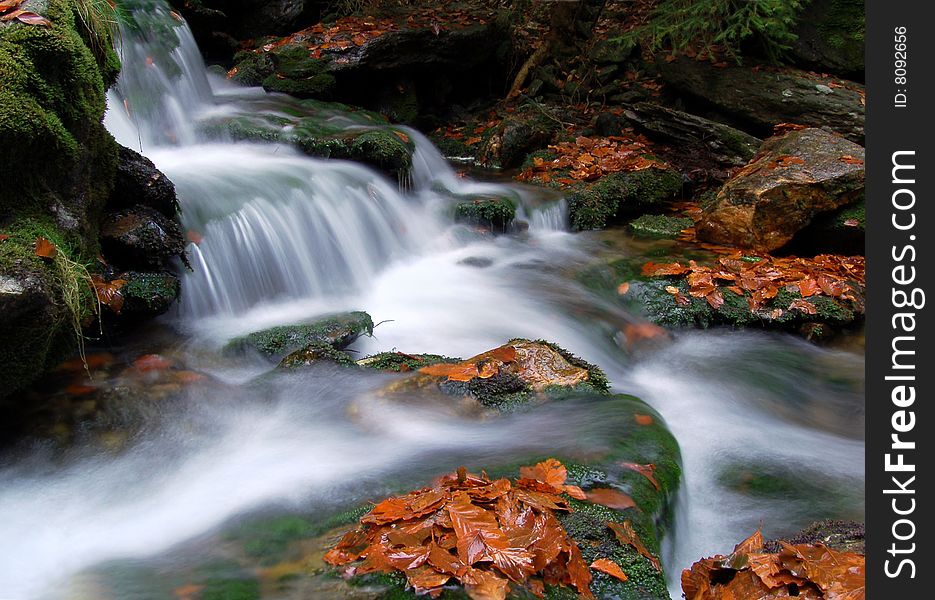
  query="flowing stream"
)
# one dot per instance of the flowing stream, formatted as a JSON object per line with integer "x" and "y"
{"x": 286, "y": 237}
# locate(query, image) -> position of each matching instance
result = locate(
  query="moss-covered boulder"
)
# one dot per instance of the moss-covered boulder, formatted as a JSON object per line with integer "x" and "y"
{"x": 506, "y": 377}
{"x": 659, "y": 226}
{"x": 148, "y": 294}
{"x": 316, "y": 353}
{"x": 492, "y": 213}
{"x": 400, "y": 362}
{"x": 338, "y": 331}
{"x": 793, "y": 178}
{"x": 325, "y": 130}
{"x": 617, "y": 195}
{"x": 52, "y": 100}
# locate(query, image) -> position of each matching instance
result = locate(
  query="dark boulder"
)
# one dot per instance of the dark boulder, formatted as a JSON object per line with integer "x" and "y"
{"x": 141, "y": 238}
{"x": 139, "y": 182}
{"x": 691, "y": 134}
{"x": 765, "y": 97}
{"x": 831, "y": 37}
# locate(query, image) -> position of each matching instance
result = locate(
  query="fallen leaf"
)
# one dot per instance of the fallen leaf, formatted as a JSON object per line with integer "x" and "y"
{"x": 610, "y": 497}
{"x": 627, "y": 536}
{"x": 605, "y": 565}
{"x": 648, "y": 471}
{"x": 45, "y": 248}
{"x": 623, "y": 288}
{"x": 643, "y": 420}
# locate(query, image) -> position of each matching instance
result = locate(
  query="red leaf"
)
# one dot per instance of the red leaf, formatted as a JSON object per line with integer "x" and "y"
{"x": 45, "y": 248}
{"x": 611, "y": 498}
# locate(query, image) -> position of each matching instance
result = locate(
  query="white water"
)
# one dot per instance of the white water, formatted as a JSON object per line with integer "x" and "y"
{"x": 286, "y": 237}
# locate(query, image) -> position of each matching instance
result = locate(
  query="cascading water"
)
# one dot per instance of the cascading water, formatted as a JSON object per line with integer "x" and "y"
{"x": 284, "y": 237}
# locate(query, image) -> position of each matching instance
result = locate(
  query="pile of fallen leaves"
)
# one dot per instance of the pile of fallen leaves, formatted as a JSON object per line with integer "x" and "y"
{"x": 587, "y": 159}
{"x": 760, "y": 278}
{"x": 10, "y": 11}
{"x": 806, "y": 571}
{"x": 484, "y": 534}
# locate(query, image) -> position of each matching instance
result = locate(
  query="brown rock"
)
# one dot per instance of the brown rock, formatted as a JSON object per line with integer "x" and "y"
{"x": 793, "y": 178}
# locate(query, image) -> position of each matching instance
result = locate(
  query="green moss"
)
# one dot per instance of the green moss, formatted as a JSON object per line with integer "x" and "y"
{"x": 494, "y": 213}
{"x": 153, "y": 292}
{"x": 398, "y": 361}
{"x": 659, "y": 226}
{"x": 38, "y": 327}
{"x": 842, "y": 27}
{"x": 231, "y": 589}
{"x": 618, "y": 194}
{"x": 382, "y": 148}
{"x": 315, "y": 353}
{"x": 337, "y": 330}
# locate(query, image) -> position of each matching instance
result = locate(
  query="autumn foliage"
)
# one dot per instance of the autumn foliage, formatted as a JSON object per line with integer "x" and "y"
{"x": 10, "y": 11}
{"x": 761, "y": 278}
{"x": 485, "y": 534}
{"x": 806, "y": 571}
{"x": 587, "y": 159}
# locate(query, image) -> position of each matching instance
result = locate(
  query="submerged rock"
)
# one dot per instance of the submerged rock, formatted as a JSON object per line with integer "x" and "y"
{"x": 337, "y": 331}
{"x": 659, "y": 226}
{"x": 326, "y": 130}
{"x": 766, "y": 97}
{"x": 793, "y": 178}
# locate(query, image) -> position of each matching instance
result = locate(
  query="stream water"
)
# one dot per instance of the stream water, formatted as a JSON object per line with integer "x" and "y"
{"x": 287, "y": 237}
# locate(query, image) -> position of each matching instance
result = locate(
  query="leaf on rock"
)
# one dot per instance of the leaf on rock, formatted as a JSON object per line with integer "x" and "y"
{"x": 610, "y": 498}
{"x": 550, "y": 472}
{"x": 609, "y": 567}
{"x": 648, "y": 471}
{"x": 627, "y": 536}
{"x": 643, "y": 420}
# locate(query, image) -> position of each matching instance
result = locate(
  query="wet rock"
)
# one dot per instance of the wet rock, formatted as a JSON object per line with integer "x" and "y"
{"x": 141, "y": 238}
{"x": 139, "y": 182}
{"x": 659, "y": 226}
{"x": 843, "y": 536}
{"x": 478, "y": 262}
{"x": 316, "y": 353}
{"x": 400, "y": 362}
{"x": 148, "y": 294}
{"x": 765, "y": 97}
{"x": 508, "y": 376}
{"x": 793, "y": 178}
{"x": 840, "y": 231}
{"x": 338, "y": 331}
{"x": 719, "y": 143}
{"x": 619, "y": 194}
{"x": 831, "y": 37}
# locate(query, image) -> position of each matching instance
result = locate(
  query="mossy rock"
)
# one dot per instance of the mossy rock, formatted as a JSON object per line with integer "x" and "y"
{"x": 588, "y": 522}
{"x": 516, "y": 385}
{"x": 289, "y": 70}
{"x": 316, "y": 354}
{"x": 397, "y": 362}
{"x": 148, "y": 294}
{"x": 493, "y": 213}
{"x": 338, "y": 331}
{"x": 659, "y": 226}
{"x": 831, "y": 37}
{"x": 619, "y": 194}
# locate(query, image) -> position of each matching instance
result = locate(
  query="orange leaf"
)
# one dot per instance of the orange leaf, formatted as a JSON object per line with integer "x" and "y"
{"x": 550, "y": 472}
{"x": 401, "y": 135}
{"x": 643, "y": 419}
{"x": 627, "y": 536}
{"x": 605, "y": 565}
{"x": 611, "y": 498}
{"x": 623, "y": 288}
{"x": 647, "y": 471}
{"x": 458, "y": 372}
{"x": 45, "y": 248}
